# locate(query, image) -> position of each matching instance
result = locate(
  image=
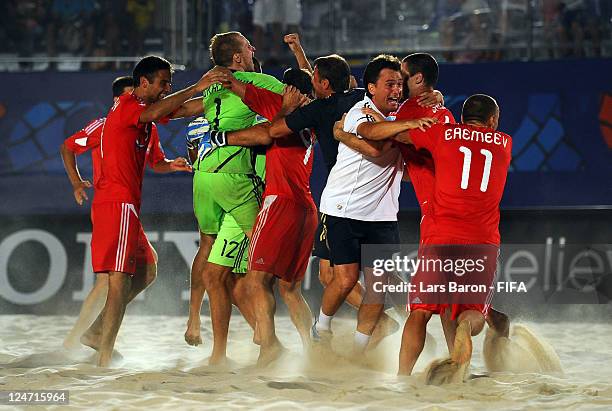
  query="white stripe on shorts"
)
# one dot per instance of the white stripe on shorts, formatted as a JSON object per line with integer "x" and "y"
{"x": 263, "y": 216}
{"x": 123, "y": 234}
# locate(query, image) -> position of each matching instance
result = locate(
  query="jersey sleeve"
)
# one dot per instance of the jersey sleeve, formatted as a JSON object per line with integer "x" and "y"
{"x": 85, "y": 139}
{"x": 305, "y": 117}
{"x": 155, "y": 152}
{"x": 261, "y": 80}
{"x": 354, "y": 118}
{"x": 428, "y": 139}
{"x": 263, "y": 102}
{"x": 131, "y": 111}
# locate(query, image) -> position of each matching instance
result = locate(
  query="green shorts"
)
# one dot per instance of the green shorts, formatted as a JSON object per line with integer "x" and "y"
{"x": 230, "y": 249}
{"x": 218, "y": 194}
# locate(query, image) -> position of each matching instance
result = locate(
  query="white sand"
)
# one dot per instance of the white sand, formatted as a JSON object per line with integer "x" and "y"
{"x": 160, "y": 371}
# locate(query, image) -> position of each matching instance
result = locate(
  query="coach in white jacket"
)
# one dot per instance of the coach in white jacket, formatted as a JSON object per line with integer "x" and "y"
{"x": 361, "y": 201}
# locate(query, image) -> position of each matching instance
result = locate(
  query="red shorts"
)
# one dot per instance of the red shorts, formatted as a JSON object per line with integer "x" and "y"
{"x": 282, "y": 240}
{"x": 118, "y": 242}
{"x": 456, "y": 277}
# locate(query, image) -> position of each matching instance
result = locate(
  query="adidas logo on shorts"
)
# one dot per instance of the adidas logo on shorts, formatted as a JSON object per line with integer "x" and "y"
{"x": 259, "y": 261}
{"x": 417, "y": 300}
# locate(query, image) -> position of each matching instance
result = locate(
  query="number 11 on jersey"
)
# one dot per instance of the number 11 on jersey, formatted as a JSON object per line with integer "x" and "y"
{"x": 467, "y": 161}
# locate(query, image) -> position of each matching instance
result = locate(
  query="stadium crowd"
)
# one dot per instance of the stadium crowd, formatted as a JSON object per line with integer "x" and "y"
{"x": 463, "y": 31}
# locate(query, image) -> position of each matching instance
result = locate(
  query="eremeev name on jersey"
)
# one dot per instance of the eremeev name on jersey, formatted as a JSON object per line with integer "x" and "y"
{"x": 475, "y": 135}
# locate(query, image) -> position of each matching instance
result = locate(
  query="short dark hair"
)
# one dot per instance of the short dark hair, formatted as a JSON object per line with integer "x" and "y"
{"x": 223, "y": 46}
{"x": 121, "y": 83}
{"x": 425, "y": 64}
{"x": 334, "y": 69}
{"x": 148, "y": 67}
{"x": 376, "y": 65}
{"x": 298, "y": 78}
{"x": 479, "y": 107}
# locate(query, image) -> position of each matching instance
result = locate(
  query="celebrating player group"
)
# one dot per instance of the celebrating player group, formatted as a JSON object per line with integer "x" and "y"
{"x": 250, "y": 148}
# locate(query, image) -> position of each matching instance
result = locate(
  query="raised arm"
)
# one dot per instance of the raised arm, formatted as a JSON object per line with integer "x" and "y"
{"x": 171, "y": 103}
{"x": 191, "y": 108}
{"x": 293, "y": 41}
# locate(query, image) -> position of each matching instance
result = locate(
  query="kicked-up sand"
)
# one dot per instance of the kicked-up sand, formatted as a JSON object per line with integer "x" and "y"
{"x": 160, "y": 371}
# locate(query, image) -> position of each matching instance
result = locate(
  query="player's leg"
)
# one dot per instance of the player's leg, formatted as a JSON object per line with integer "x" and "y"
{"x": 243, "y": 202}
{"x": 92, "y": 305}
{"x": 217, "y": 283}
{"x": 115, "y": 243}
{"x": 114, "y": 309}
{"x": 369, "y": 313}
{"x": 146, "y": 266}
{"x": 228, "y": 250}
{"x": 386, "y": 325}
{"x": 470, "y": 314}
{"x": 291, "y": 266}
{"x": 499, "y": 322}
{"x": 240, "y": 298}
{"x": 385, "y": 236}
{"x": 470, "y": 324}
{"x": 264, "y": 306}
{"x": 300, "y": 313}
{"x": 326, "y": 271}
{"x": 208, "y": 189}
{"x": 209, "y": 216}
{"x": 449, "y": 326}
{"x": 228, "y": 254}
{"x": 197, "y": 290}
{"x": 345, "y": 278}
{"x": 145, "y": 275}
{"x": 413, "y": 340}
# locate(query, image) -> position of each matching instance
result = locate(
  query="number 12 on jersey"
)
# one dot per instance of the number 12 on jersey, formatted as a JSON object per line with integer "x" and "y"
{"x": 467, "y": 161}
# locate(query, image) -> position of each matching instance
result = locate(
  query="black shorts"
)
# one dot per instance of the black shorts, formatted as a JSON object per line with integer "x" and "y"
{"x": 320, "y": 243}
{"x": 346, "y": 236}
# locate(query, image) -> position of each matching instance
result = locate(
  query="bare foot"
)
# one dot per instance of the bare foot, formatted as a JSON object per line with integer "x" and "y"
{"x": 271, "y": 354}
{"x": 71, "y": 344}
{"x": 499, "y": 322}
{"x": 192, "y": 335}
{"x": 385, "y": 327}
{"x": 456, "y": 368}
{"x": 105, "y": 361}
{"x": 446, "y": 371}
{"x": 462, "y": 349}
{"x": 90, "y": 340}
{"x": 217, "y": 360}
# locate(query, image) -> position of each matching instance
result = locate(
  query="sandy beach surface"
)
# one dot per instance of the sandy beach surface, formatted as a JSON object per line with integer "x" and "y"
{"x": 160, "y": 371}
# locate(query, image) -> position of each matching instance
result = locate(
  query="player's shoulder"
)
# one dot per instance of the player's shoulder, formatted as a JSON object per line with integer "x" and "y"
{"x": 253, "y": 77}
{"x": 95, "y": 123}
{"x": 129, "y": 101}
{"x": 249, "y": 75}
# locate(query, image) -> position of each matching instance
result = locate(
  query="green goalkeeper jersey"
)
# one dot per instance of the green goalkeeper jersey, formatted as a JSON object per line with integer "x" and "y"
{"x": 225, "y": 111}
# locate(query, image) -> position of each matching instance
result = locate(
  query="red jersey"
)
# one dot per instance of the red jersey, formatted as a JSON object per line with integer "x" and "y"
{"x": 289, "y": 159}
{"x": 471, "y": 166}
{"x": 124, "y": 145}
{"x": 89, "y": 139}
{"x": 419, "y": 163}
